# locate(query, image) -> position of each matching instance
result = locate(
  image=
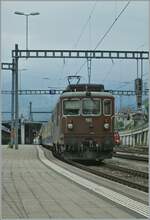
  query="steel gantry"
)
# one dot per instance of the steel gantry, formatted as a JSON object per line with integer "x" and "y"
{"x": 88, "y": 54}
{"x": 7, "y": 66}
{"x": 11, "y": 67}
{"x": 59, "y": 91}
{"x": 99, "y": 54}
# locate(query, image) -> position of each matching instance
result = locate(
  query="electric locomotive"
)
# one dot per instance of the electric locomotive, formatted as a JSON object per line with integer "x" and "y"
{"x": 82, "y": 123}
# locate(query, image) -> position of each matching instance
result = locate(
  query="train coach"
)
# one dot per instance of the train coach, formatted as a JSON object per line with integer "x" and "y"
{"x": 82, "y": 124}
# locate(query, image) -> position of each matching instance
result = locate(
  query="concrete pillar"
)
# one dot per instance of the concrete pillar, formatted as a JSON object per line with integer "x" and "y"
{"x": 22, "y": 133}
{"x": 138, "y": 139}
{"x": 144, "y": 141}
{"x": 128, "y": 140}
{"x": 141, "y": 141}
{"x": 141, "y": 138}
{"x": 123, "y": 140}
{"x": 133, "y": 141}
{"x": 145, "y": 138}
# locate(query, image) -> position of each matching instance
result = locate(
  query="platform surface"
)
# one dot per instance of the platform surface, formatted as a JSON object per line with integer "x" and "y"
{"x": 32, "y": 190}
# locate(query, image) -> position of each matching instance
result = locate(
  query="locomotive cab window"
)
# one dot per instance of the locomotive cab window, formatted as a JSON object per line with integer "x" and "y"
{"x": 107, "y": 107}
{"x": 91, "y": 106}
{"x": 71, "y": 107}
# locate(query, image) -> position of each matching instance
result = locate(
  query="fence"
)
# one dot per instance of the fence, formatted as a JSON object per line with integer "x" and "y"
{"x": 135, "y": 137}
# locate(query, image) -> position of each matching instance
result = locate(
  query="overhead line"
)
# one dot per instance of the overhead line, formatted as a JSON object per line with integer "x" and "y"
{"x": 109, "y": 71}
{"x": 84, "y": 27}
{"x": 105, "y": 34}
{"x": 112, "y": 25}
{"x": 82, "y": 31}
{"x": 81, "y": 67}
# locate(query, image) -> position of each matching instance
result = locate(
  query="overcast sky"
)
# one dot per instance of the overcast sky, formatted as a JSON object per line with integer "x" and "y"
{"x": 59, "y": 26}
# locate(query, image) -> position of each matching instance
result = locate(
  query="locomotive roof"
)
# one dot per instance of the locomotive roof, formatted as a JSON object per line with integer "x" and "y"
{"x": 84, "y": 87}
{"x": 93, "y": 94}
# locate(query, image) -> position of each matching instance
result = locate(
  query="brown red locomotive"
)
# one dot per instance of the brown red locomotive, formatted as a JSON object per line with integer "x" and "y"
{"x": 82, "y": 124}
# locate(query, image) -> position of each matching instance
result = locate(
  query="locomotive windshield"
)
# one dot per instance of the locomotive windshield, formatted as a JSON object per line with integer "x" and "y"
{"x": 91, "y": 106}
{"x": 107, "y": 107}
{"x": 71, "y": 107}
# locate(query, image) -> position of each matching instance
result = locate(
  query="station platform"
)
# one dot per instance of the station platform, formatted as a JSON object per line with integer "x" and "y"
{"x": 33, "y": 187}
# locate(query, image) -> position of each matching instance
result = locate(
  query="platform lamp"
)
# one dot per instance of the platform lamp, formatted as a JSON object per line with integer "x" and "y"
{"x": 27, "y": 22}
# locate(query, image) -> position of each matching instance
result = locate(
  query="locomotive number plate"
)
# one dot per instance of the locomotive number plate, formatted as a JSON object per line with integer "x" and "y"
{"x": 88, "y": 120}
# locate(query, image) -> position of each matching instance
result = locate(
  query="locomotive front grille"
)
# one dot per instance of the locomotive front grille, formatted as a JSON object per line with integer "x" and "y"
{"x": 80, "y": 143}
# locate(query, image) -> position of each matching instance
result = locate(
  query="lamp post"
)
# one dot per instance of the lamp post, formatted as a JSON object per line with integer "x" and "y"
{"x": 27, "y": 23}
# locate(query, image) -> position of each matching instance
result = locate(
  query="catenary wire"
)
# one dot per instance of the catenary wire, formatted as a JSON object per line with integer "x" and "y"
{"x": 109, "y": 29}
{"x": 85, "y": 25}
{"x": 105, "y": 34}
{"x": 81, "y": 33}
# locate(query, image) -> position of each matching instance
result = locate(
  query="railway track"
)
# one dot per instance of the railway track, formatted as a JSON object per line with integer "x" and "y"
{"x": 126, "y": 176}
{"x": 131, "y": 156}
{"x": 128, "y": 170}
{"x": 133, "y": 153}
{"x": 132, "y": 178}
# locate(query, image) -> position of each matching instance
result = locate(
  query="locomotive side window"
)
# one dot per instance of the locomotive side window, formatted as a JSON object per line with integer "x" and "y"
{"x": 107, "y": 107}
{"x": 52, "y": 116}
{"x": 57, "y": 113}
{"x": 71, "y": 107}
{"x": 91, "y": 106}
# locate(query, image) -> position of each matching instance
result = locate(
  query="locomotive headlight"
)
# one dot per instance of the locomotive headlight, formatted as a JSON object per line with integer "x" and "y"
{"x": 106, "y": 125}
{"x": 70, "y": 126}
